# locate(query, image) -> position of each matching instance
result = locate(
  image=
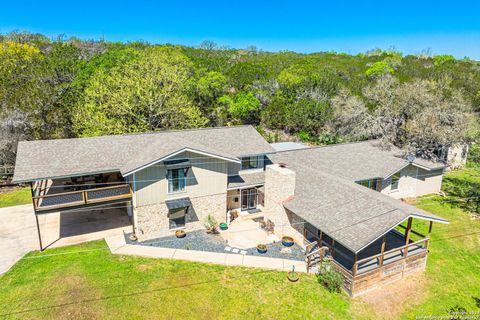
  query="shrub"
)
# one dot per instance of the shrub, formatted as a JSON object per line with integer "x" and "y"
{"x": 329, "y": 277}
{"x": 378, "y": 68}
{"x": 211, "y": 224}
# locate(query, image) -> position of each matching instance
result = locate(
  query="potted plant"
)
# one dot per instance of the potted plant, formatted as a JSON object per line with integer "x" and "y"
{"x": 292, "y": 275}
{"x": 287, "y": 241}
{"x": 262, "y": 248}
{"x": 180, "y": 234}
{"x": 223, "y": 226}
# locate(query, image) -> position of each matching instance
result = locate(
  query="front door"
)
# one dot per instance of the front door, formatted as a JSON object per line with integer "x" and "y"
{"x": 249, "y": 199}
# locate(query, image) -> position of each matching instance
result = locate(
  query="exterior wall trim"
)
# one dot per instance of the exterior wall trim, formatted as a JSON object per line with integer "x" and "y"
{"x": 178, "y": 152}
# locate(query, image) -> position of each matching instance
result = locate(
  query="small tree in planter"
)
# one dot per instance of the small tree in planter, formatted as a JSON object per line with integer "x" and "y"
{"x": 329, "y": 277}
{"x": 211, "y": 224}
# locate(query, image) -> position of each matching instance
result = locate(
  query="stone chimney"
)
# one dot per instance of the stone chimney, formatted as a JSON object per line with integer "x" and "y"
{"x": 279, "y": 185}
{"x": 279, "y": 188}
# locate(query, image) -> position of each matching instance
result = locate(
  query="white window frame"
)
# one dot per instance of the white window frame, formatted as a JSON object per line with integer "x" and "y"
{"x": 171, "y": 182}
{"x": 249, "y": 161}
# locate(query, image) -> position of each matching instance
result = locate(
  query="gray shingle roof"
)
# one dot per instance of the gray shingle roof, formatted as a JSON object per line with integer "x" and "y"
{"x": 327, "y": 197}
{"x": 125, "y": 153}
{"x": 361, "y": 160}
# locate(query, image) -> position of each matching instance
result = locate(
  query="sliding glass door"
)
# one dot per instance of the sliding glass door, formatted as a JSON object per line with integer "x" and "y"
{"x": 249, "y": 199}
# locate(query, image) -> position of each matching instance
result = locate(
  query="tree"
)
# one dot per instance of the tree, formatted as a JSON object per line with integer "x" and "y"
{"x": 146, "y": 93}
{"x": 207, "y": 90}
{"x": 242, "y": 106}
{"x": 419, "y": 115}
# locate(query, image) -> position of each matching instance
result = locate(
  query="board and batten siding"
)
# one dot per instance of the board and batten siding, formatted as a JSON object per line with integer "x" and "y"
{"x": 207, "y": 176}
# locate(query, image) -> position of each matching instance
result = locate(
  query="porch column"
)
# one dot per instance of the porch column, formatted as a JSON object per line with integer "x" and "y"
{"x": 320, "y": 239}
{"x": 333, "y": 247}
{"x": 36, "y": 217}
{"x": 382, "y": 249}
{"x": 355, "y": 265}
{"x": 428, "y": 235}
{"x": 407, "y": 236}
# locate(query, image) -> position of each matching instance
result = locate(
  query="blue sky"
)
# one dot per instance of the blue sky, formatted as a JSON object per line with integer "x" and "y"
{"x": 305, "y": 26}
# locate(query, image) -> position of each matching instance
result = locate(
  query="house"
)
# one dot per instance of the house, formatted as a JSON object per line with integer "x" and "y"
{"x": 455, "y": 155}
{"x": 340, "y": 200}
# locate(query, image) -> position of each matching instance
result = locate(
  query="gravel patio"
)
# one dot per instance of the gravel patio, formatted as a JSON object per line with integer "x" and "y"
{"x": 200, "y": 240}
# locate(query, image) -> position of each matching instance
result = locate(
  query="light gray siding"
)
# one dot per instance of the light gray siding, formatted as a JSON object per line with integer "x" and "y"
{"x": 429, "y": 181}
{"x": 414, "y": 182}
{"x": 208, "y": 176}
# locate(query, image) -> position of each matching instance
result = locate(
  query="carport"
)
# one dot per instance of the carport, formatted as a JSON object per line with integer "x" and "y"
{"x": 71, "y": 226}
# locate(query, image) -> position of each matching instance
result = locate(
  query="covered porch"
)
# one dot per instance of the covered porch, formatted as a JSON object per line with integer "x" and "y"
{"x": 61, "y": 193}
{"x": 399, "y": 251}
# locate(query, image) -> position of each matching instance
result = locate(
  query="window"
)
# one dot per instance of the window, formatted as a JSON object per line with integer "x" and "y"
{"x": 371, "y": 184}
{"x": 251, "y": 163}
{"x": 177, "y": 217}
{"x": 395, "y": 181}
{"x": 176, "y": 180}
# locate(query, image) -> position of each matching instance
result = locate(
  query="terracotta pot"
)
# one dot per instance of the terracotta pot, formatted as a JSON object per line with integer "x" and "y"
{"x": 180, "y": 234}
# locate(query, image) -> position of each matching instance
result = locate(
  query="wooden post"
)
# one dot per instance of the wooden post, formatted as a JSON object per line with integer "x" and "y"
{"x": 355, "y": 265}
{"x": 333, "y": 247}
{"x": 38, "y": 231}
{"x": 36, "y": 217}
{"x": 428, "y": 235}
{"x": 407, "y": 235}
{"x": 320, "y": 239}
{"x": 382, "y": 250}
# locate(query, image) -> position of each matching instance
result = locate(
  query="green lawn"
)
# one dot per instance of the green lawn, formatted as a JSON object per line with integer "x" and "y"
{"x": 16, "y": 197}
{"x": 453, "y": 266}
{"x": 96, "y": 284}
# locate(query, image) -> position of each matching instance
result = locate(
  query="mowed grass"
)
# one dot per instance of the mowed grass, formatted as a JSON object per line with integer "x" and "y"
{"x": 15, "y": 197}
{"x": 453, "y": 265}
{"x": 94, "y": 284}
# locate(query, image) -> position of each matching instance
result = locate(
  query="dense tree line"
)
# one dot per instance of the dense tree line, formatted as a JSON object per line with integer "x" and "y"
{"x": 70, "y": 87}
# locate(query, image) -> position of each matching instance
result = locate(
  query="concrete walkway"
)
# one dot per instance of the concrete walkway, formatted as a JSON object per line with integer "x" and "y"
{"x": 18, "y": 230}
{"x": 118, "y": 245}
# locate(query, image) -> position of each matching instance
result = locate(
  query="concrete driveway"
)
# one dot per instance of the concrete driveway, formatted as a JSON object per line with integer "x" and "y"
{"x": 18, "y": 230}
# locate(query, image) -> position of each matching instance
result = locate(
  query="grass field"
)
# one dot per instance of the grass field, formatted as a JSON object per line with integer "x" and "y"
{"x": 98, "y": 285}
{"x": 15, "y": 197}
{"x": 91, "y": 283}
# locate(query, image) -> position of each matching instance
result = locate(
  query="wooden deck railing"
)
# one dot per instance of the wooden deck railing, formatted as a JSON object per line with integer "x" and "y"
{"x": 403, "y": 251}
{"x": 81, "y": 197}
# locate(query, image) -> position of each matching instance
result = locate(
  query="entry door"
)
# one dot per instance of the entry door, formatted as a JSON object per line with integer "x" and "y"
{"x": 249, "y": 199}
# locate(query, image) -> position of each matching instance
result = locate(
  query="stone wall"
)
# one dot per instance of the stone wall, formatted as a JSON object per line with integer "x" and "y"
{"x": 280, "y": 187}
{"x": 153, "y": 221}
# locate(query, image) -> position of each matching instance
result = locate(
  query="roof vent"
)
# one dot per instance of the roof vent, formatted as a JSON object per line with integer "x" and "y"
{"x": 282, "y": 165}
